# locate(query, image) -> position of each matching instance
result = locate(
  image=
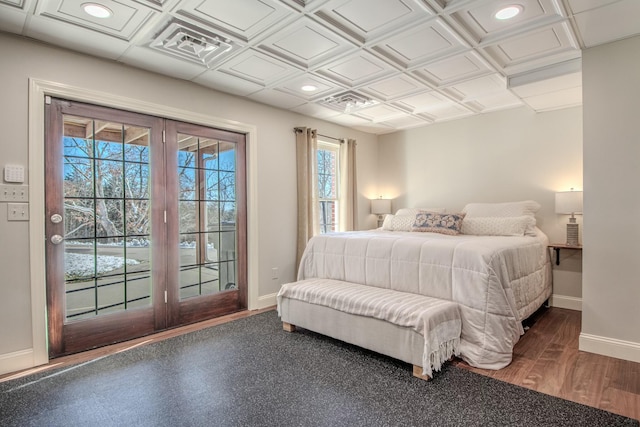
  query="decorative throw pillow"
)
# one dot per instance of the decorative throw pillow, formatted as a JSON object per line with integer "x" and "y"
{"x": 398, "y": 223}
{"x": 508, "y": 209}
{"x": 436, "y": 222}
{"x": 498, "y": 226}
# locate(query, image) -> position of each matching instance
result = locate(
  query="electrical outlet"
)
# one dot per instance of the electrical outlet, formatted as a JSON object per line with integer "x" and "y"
{"x": 17, "y": 211}
{"x": 274, "y": 273}
{"x": 14, "y": 193}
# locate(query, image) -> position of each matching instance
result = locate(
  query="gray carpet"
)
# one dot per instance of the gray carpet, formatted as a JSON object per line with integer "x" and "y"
{"x": 251, "y": 373}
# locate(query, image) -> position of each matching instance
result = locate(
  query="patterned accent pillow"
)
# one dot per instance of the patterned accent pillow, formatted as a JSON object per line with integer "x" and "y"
{"x": 435, "y": 222}
{"x": 398, "y": 223}
{"x": 498, "y": 226}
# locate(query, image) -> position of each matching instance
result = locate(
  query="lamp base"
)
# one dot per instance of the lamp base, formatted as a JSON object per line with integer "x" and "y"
{"x": 572, "y": 234}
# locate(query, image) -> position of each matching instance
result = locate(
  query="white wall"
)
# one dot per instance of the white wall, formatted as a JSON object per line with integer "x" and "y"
{"x": 503, "y": 156}
{"x": 276, "y": 192}
{"x": 611, "y": 286}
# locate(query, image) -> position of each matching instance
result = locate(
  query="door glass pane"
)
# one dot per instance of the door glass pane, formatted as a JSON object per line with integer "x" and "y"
{"x": 106, "y": 216}
{"x": 206, "y": 173}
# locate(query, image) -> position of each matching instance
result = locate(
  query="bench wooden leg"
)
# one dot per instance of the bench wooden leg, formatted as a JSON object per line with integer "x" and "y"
{"x": 288, "y": 327}
{"x": 417, "y": 372}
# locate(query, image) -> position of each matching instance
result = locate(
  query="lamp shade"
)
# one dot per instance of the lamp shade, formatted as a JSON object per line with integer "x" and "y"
{"x": 380, "y": 206}
{"x": 569, "y": 202}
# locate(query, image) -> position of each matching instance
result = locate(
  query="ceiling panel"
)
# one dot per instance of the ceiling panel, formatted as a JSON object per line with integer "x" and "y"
{"x": 74, "y": 37}
{"x": 394, "y": 63}
{"x": 380, "y": 113}
{"x": 245, "y": 20}
{"x": 420, "y": 43}
{"x": 472, "y": 89}
{"x": 127, "y": 19}
{"x": 434, "y": 104}
{"x": 393, "y": 87}
{"x": 578, "y": 6}
{"x": 315, "y": 110}
{"x": 357, "y": 69}
{"x": 143, "y": 57}
{"x": 277, "y": 98}
{"x": 460, "y": 67}
{"x": 479, "y": 20}
{"x": 554, "y": 100}
{"x": 625, "y": 14}
{"x": 375, "y": 128}
{"x": 323, "y": 88}
{"x": 17, "y": 3}
{"x": 493, "y": 101}
{"x": 306, "y": 44}
{"x": 258, "y": 68}
{"x": 227, "y": 83}
{"x": 363, "y": 22}
{"x": 350, "y": 120}
{"x": 405, "y": 122}
{"x": 12, "y": 18}
{"x": 535, "y": 49}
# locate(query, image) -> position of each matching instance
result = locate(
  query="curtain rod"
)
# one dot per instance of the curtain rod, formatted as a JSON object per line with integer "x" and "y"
{"x": 330, "y": 137}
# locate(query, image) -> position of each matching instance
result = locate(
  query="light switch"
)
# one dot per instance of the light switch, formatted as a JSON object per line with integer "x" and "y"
{"x": 18, "y": 211}
{"x": 14, "y": 193}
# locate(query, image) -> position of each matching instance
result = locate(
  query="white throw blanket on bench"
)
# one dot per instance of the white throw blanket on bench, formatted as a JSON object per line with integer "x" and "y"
{"x": 438, "y": 321}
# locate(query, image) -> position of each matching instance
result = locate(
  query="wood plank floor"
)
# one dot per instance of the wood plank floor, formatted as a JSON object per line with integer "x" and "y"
{"x": 546, "y": 359}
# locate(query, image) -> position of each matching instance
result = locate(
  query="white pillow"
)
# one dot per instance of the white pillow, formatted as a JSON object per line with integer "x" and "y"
{"x": 415, "y": 211}
{"x": 398, "y": 222}
{"x": 508, "y": 209}
{"x": 499, "y": 226}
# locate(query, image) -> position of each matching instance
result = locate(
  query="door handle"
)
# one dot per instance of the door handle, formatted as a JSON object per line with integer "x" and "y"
{"x": 56, "y": 239}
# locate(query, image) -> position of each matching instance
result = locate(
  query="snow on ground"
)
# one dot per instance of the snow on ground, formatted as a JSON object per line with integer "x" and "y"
{"x": 78, "y": 265}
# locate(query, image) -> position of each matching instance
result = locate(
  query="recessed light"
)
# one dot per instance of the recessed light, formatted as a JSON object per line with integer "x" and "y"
{"x": 309, "y": 88}
{"x": 97, "y": 10}
{"x": 508, "y": 12}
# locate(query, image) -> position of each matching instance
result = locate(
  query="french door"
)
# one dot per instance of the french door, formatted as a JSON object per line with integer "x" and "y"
{"x": 145, "y": 224}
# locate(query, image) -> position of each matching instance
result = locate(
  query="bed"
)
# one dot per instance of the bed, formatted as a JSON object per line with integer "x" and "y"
{"x": 497, "y": 280}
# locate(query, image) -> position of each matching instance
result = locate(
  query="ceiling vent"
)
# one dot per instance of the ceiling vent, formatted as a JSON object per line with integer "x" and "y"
{"x": 195, "y": 45}
{"x": 348, "y": 102}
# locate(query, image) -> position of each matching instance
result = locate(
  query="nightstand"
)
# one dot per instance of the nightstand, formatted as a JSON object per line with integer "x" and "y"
{"x": 557, "y": 246}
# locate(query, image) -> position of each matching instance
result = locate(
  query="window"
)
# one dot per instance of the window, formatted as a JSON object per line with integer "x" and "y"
{"x": 328, "y": 185}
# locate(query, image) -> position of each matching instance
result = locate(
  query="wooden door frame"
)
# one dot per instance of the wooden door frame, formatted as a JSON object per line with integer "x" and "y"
{"x": 67, "y": 338}
{"x": 38, "y": 91}
{"x": 183, "y": 312}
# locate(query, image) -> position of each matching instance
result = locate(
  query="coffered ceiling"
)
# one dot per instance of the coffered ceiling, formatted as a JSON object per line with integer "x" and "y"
{"x": 374, "y": 65}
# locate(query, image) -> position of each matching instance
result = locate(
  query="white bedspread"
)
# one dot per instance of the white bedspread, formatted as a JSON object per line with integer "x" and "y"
{"x": 496, "y": 280}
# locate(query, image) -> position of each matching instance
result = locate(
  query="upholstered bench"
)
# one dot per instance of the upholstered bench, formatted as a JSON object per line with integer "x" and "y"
{"x": 416, "y": 329}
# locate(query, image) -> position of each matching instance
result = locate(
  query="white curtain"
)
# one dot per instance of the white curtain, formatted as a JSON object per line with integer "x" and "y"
{"x": 306, "y": 158}
{"x": 348, "y": 186}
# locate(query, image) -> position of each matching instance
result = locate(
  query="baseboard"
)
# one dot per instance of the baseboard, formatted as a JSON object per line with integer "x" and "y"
{"x": 16, "y": 361}
{"x": 626, "y": 350}
{"x": 267, "y": 301}
{"x": 563, "y": 301}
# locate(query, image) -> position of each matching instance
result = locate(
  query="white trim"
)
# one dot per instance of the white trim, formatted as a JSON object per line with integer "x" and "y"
{"x": 38, "y": 89}
{"x": 620, "y": 349}
{"x": 267, "y": 301}
{"x": 16, "y": 361}
{"x": 563, "y": 301}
